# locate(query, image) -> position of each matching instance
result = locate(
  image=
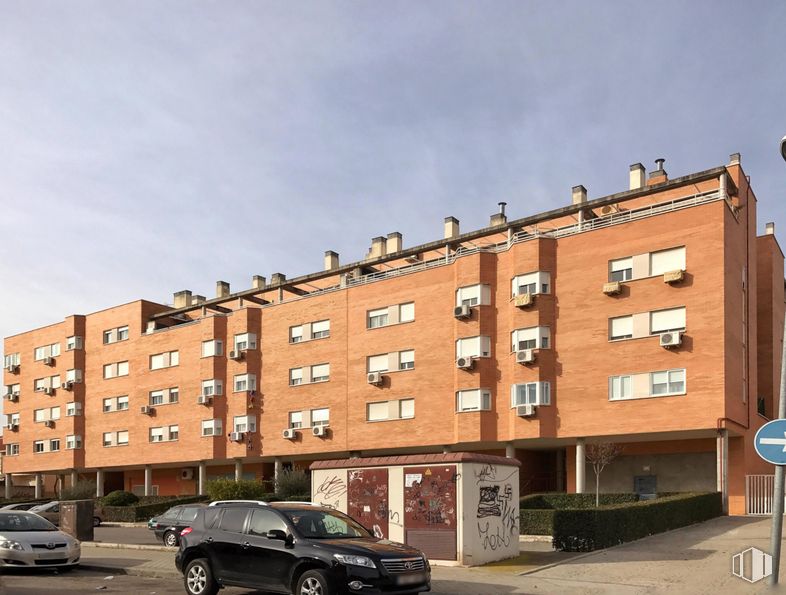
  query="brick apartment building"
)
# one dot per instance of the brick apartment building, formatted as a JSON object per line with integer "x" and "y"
{"x": 651, "y": 318}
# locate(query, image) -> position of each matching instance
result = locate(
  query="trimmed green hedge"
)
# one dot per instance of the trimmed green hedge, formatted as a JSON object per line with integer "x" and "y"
{"x": 558, "y": 500}
{"x": 584, "y": 530}
{"x": 536, "y": 521}
{"x": 144, "y": 512}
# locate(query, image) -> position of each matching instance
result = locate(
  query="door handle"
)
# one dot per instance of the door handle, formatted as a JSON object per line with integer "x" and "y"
{"x": 246, "y": 545}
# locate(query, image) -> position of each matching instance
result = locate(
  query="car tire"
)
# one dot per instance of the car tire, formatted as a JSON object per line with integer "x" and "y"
{"x": 198, "y": 578}
{"x": 96, "y": 521}
{"x": 170, "y": 539}
{"x": 313, "y": 582}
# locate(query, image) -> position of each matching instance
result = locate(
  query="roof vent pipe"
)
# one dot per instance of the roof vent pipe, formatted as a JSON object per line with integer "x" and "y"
{"x": 659, "y": 162}
{"x": 499, "y": 218}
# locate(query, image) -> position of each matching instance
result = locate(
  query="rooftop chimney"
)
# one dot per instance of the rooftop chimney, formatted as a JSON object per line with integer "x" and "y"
{"x": 499, "y": 218}
{"x": 769, "y": 229}
{"x": 637, "y": 176}
{"x": 198, "y": 299}
{"x": 658, "y": 176}
{"x": 258, "y": 282}
{"x": 735, "y": 159}
{"x": 331, "y": 260}
{"x": 378, "y": 247}
{"x": 451, "y": 227}
{"x": 183, "y": 298}
{"x": 222, "y": 289}
{"x": 278, "y": 278}
{"x": 394, "y": 242}
{"x": 579, "y": 194}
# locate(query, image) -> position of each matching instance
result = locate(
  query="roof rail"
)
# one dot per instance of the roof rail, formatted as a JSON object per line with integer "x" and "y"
{"x": 220, "y": 502}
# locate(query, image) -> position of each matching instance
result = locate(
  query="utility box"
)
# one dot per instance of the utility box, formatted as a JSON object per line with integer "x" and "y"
{"x": 459, "y": 508}
{"x": 76, "y": 518}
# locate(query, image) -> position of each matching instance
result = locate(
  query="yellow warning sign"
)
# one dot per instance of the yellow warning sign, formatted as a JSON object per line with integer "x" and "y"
{"x": 427, "y": 473}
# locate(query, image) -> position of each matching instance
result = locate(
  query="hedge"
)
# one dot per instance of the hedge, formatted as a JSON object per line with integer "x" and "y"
{"x": 584, "y": 530}
{"x": 536, "y": 521}
{"x": 144, "y": 512}
{"x": 558, "y": 500}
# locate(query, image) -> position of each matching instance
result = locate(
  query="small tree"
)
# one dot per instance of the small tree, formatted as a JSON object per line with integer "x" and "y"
{"x": 600, "y": 455}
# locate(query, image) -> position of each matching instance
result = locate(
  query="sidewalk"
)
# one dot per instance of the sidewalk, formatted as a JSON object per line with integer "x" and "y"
{"x": 136, "y": 562}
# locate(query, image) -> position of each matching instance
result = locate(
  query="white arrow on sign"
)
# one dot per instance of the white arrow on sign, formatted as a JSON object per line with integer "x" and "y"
{"x": 778, "y": 441}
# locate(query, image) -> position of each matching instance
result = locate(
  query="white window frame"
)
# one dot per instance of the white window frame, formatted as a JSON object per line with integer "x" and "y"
{"x": 295, "y": 420}
{"x": 250, "y": 381}
{"x": 381, "y": 409}
{"x": 621, "y": 269}
{"x": 12, "y": 449}
{"x": 324, "y": 329}
{"x": 315, "y": 413}
{"x": 670, "y": 390}
{"x": 74, "y": 342}
{"x": 323, "y": 377}
{"x": 535, "y": 283}
{"x": 377, "y": 318}
{"x": 377, "y": 363}
{"x": 627, "y": 325}
{"x": 541, "y": 335}
{"x": 620, "y": 387}
{"x": 212, "y": 426}
{"x": 213, "y": 348}
{"x": 483, "y": 396}
{"x": 73, "y": 441}
{"x": 406, "y": 359}
{"x": 296, "y": 333}
{"x": 159, "y": 361}
{"x": 244, "y": 424}
{"x": 466, "y": 348}
{"x": 12, "y": 359}
{"x": 213, "y": 387}
{"x": 295, "y": 376}
{"x": 678, "y": 254}
{"x": 473, "y": 295}
{"x": 406, "y": 312}
{"x": 247, "y": 340}
{"x": 672, "y": 328}
{"x": 73, "y": 409}
{"x": 401, "y": 406}
{"x": 535, "y": 393}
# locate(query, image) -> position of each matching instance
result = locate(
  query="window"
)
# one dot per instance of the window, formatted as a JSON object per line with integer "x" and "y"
{"x": 12, "y": 359}
{"x": 109, "y": 405}
{"x": 164, "y": 396}
{"x": 164, "y": 360}
{"x": 122, "y": 333}
{"x": 473, "y": 400}
{"x": 73, "y": 343}
{"x": 377, "y": 318}
{"x": 262, "y": 521}
{"x": 295, "y": 376}
{"x": 663, "y": 321}
{"x": 122, "y": 438}
{"x": 377, "y": 363}
{"x": 245, "y": 382}
{"x": 73, "y": 408}
{"x": 406, "y": 359}
{"x": 156, "y": 434}
{"x": 46, "y": 414}
{"x": 74, "y": 376}
{"x": 12, "y": 389}
{"x": 12, "y": 419}
{"x": 320, "y": 373}
{"x": 532, "y": 283}
{"x": 45, "y": 351}
{"x": 115, "y": 370}
{"x": 212, "y": 348}
{"x": 119, "y": 438}
{"x": 390, "y": 410}
{"x": 211, "y": 427}
{"x": 473, "y": 295}
{"x": 12, "y": 450}
{"x": 621, "y": 327}
{"x": 531, "y": 338}
{"x": 320, "y": 329}
{"x": 245, "y": 423}
{"x": 407, "y": 312}
{"x": 54, "y": 445}
{"x": 115, "y": 334}
{"x": 122, "y": 403}
{"x": 620, "y": 388}
{"x": 233, "y": 519}
{"x": 295, "y": 419}
{"x": 667, "y": 260}
{"x": 174, "y": 432}
{"x": 73, "y": 442}
{"x": 377, "y": 411}
{"x": 38, "y": 446}
{"x": 295, "y": 334}
{"x": 320, "y": 417}
{"x": 473, "y": 347}
{"x": 212, "y": 388}
{"x": 621, "y": 269}
{"x": 530, "y": 393}
{"x": 245, "y": 342}
{"x": 667, "y": 382}
{"x": 406, "y": 408}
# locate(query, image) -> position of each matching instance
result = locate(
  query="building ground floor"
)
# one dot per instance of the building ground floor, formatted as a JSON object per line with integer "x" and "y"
{"x": 699, "y": 460}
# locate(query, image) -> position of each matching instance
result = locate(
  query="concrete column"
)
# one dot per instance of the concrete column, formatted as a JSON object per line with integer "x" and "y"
{"x": 510, "y": 450}
{"x": 238, "y": 469}
{"x": 74, "y": 477}
{"x": 148, "y": 480}
{"x": 580, "y": 466}
{"x": 722, "y": 474}
{"x": 276, "y": 472}
{"x": 9, "y": 485}
{"x": 202, "y": 478}
{"x": 38, "y": 486}
{"x": 61, "y": 484}
{"x": 560, "y": 470}
{"x": 99, "y": 483}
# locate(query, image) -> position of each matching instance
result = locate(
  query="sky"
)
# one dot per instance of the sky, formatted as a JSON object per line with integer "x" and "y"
{"x": 152, "y": 146}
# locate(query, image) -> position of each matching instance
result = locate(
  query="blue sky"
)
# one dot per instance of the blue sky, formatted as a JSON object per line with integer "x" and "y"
{"x": 153, "y": 146}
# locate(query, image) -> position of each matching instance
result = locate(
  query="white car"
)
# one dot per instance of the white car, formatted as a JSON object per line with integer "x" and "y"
{"x": 28, "y": 540}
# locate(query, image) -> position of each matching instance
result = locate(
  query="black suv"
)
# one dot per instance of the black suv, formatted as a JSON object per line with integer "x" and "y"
{"x": 294, "y": 547}
{"x": 167, "y": 527}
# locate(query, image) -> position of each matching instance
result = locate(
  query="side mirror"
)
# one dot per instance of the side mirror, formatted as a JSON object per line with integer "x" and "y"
{"x": 276, "y": 534}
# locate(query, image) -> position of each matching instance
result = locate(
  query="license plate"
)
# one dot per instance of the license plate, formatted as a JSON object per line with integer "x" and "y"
{"x": 49, "y": 555}
{"x": 411, "y": 579}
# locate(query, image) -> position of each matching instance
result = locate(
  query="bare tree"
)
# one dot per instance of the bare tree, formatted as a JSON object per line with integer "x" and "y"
{"x": 600, "y": 455}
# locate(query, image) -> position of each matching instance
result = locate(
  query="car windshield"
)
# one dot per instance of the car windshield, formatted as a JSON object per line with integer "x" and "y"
{"x": 24, "y": 522}
{"x": 324, "y": 524}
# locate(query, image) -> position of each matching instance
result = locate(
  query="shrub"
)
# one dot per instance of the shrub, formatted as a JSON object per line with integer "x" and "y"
{"x": 119, "y": 498}
{"x": 132, "y": 514}
{"x": 293, "y": 482}
{"x": 534, "y": 521}
{"x": 589, "y": 529}
{"x": 229, "y": 489}
{"x": 559, "y": 500}
{"x": 81, "y": 490}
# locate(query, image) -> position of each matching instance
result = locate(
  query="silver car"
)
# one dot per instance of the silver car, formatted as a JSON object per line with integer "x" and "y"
{"x": 28, "y": 540}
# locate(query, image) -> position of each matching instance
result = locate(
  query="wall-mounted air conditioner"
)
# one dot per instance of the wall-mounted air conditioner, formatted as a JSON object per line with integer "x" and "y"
{"x": 462, "y": 311}
{"x": 465, "y": 363}
{"x": 146, "y": 410}
{"x": 374, "y": 378}
{"x": 526, "y": 356}
{"x": 320, "y": 431}
{"x": 525, "y": 410}
{"x": 671, "y": 339}
{"x": 290, "y": 433}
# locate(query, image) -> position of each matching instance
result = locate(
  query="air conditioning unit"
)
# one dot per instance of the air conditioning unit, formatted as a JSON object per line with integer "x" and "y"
{"x": 527, "y": 356}
{"x": 320, "y": 431}
{"x": 524, "y": 300}
{"x": 49, "y": 423}
{"x": 525, "y": 410}
{"x": 671, "y": 339}
{"x": 12, "y": 368}
{"x": 187, "y": 474}
{"x": 49, "y": 361}
{"x": 374, "y": 378}
{"x": 12, "y": 426}
{"x": 612, "y": 288}
{"x": 49, "y": 390}
{"x": 236, "y": 355}
{"x": 67, "y": 385}
{"x": 462, "y": 311}
{"x": 673, "y": 276}
{"x": 290, "y": 433}
{"x": 146, "y": 410}
{"x": 204, "y": 399}
{"x": 465, "y": 363}
{"x": 13, "y": 397}
{"x": 236, "y": 436}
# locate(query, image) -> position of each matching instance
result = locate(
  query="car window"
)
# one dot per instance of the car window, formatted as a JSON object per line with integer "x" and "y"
{"x": 263, "y": 521}
{"x": 173, "y": 513}
{"x": 24, "y": 522}
{"x": 323, "y": 524}
{"x": 233, "y": 519}
{"x": 211, "y": 516}
{"x": 188, "y": 514}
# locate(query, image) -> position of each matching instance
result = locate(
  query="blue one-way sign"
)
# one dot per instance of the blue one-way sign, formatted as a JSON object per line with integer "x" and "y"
{"x": 770, "y": 442}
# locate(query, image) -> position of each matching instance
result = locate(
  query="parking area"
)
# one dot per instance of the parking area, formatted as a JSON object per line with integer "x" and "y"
{"x": 129, "y": 535}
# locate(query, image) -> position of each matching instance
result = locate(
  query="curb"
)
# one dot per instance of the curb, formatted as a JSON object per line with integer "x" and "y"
{"x": 535, "y": 538}
{"x": 122, "y": 570}
{"x": 129, "y": 546}
{"x": 116, "y": 524}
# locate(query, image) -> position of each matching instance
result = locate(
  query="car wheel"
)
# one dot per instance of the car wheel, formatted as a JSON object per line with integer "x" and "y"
{"x": 198, "y": 578}
{"x": 313, "y": 582}
{"x": 96, "y": 521}
{"x": 170, "y": 539}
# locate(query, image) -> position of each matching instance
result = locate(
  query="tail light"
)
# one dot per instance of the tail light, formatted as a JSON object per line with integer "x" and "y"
{"x": 186, "y": 531}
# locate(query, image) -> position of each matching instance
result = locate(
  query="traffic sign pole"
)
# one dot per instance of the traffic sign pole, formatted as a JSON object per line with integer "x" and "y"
{"x": 777, "y": 505}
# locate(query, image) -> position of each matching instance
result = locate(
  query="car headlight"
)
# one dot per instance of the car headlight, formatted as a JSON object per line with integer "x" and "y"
{"x": 10, "y": 545}
{"x": 354, "y": 560}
